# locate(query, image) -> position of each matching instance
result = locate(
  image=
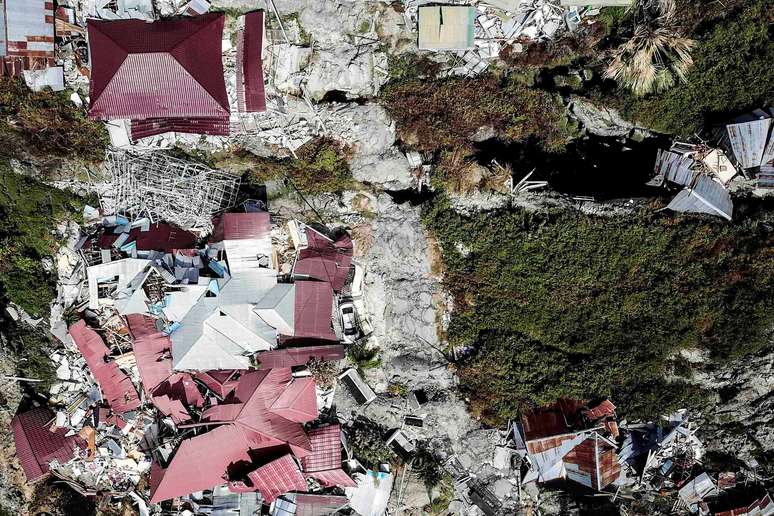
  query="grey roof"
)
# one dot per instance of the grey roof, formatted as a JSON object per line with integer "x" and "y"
{"x": 748, "y": 141}
{"x": 704, "y": 196}
{"x": 278, "y": 307}
{"x": 674, "y": 167}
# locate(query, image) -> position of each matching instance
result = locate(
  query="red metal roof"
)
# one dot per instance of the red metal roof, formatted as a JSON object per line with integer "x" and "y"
{"x": 597, "y": 459}
{"x": 117, "y": 387}
{"x": 220, "y": 382}
{"x": 165, "y": 69}
{"x": 215, "y": 126}
{"x": 249, "y": 70}
{"x": 36, "y": 445}
{"x": 308, "y": 504}
{"x": 555, "y": 419}
{"x": 250, "y": 423}
{"x": 241, "y": 226}
{"x": 313, "y": 310}
{"x": 159, "y": 237}
{"x": 278, "y": 477}
{"x": 171, "y": 408}
{"x": 324, "y": 259}
{"x": 292, "y": 357}
{"x": 333, "y": 478}
{"x": 200, "y": 463}
{"x": 326, "y": 449}
{"x": 298, "y": 402}
{"x": 152, "y": 351}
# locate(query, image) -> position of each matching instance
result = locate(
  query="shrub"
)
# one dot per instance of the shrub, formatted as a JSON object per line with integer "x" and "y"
{"x": 656, "y": 56}
{"x": 325, "y": 373}
{"x": 366, "y": 438}
{"x": 432, "y": 115}
{"x": 46, "y": 123}
{"x": 732, "y": 73}
{"x": 321, "y": 166}
{"x": 564, "y": 305}
{"x": 30, "y": 210}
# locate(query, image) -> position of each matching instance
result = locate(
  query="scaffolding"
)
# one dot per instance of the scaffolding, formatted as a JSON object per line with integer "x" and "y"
{"x": 161, "y": 187}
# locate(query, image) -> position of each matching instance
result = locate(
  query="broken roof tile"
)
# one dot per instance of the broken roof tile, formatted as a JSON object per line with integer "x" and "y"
{"x": 278, "y": 477}
{"x": 36, "y": 445}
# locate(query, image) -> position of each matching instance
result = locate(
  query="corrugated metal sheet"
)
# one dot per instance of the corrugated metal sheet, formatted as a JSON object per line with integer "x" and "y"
{"x": 278, "y": 477}
{"x": 319, "y": 505}
{"x": 313, "y": 310}
{"x": 117, "y": 387}
{"x": 241, "y": 226}
{"x": 158, "y": 237}
{"x": 217, "y": 126}
{"x": 249, "y": 71}
{"x": 292, "y": 357}
{"x": 200, "y": 463}
{"x": 748, "y": 141}
{"x": 605, "y": 408}
{"x": 326, "y": 449}
{"x": 704, "y": 196}
{"x": 324, "y": 259}
{"x": 165, "y": 69}
{"x": 673, "y": 167}
{"x": 36, "y": 445}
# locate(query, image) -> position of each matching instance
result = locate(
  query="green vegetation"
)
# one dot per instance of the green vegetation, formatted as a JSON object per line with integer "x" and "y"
{"x": 32, "y": 353}
{"x": 732, "y": 71}
{"x": 321, "y": 166}
{"x": 29, "y": 211}
{"x": 561, "y": 305}
{"x": 438, "y": 114}
{"x": 45, "y": 124}
{"x": 363, "y": 356}
{"x": 366, "y": 438}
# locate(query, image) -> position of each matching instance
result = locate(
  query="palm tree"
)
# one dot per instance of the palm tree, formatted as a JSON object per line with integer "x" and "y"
{"x": 657, "y": 55}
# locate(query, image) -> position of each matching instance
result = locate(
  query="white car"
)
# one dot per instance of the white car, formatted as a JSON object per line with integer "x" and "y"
{"x": 348, "y": 321}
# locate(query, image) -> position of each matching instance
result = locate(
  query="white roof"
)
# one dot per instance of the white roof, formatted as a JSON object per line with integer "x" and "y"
{"x": 126, "y": 270}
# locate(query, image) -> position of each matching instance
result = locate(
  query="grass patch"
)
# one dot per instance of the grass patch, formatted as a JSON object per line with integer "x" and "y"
{"x": 29, "y": 211}
{"x": 732, "y": 72}
{"x": 563, "y": 305}
{"x": 437, "y": 114}
{"x": 46, "y": 123}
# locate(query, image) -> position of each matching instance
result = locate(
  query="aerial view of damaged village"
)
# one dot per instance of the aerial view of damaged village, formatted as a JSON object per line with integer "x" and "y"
{"x": 386, "y": 257}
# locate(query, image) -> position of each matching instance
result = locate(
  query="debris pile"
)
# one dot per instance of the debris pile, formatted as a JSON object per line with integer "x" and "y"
{"x": 191, "y": 359}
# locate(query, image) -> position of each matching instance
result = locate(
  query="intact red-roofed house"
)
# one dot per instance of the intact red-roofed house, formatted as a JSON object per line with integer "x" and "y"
{"x": 324, "y": 463}
{"x": 249, "y": 425}
{"x": 117, "y": 388}
{"x": 37, "y": 446}
{"x": 164, "y": 76}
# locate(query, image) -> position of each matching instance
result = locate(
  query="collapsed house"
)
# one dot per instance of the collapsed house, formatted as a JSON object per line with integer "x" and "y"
{"x": 750, "y": 138}
{"x": 569, "y": 441}
{"x": 702, "y": 172}
{"x": 27, "y": 43}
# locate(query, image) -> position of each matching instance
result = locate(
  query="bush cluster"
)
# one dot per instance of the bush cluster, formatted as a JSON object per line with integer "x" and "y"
{"x": 45, "y": 124}
{"x": 561, "y": 305}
